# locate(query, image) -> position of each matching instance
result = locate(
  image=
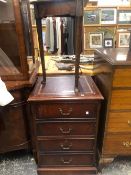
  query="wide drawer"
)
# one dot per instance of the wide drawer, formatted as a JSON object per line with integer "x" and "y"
{"x": 74, "y": 159}
{"x": 65, "y": 110}
{"x": 69, "y": 144}
{"x": 121, "y": 100}
{"x": 67, "y": 171}
{"x": 119, "y": 144}
{"x": 119, "y": 122}
{"x": 122, "y": 78}
{"x": 66, "y": 128}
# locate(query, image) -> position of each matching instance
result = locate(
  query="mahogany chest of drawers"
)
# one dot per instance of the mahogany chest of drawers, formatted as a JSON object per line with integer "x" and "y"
{"x": 65, "y": 126}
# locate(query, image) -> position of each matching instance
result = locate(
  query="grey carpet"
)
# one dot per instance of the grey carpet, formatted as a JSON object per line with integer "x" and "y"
{"x": 17, "y": 163}
{"x": 23, "y": 163}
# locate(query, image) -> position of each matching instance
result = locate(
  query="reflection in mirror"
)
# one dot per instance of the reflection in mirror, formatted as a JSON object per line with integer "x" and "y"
{"x": 58, "y": 37}
{"x": 8, "y": 37}
{"x": 58, "y": 42}
{"x": 6, "y": 65}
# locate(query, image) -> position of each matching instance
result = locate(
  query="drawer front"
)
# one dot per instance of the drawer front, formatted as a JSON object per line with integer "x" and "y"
{"x": 121, "y": 99}
{"x": 119, "y": 144}
{"x": 62, "y": 110}
{"x": 119, "y": 122}
{"x": 122, "y": 78}
{"x": 66, "y": 144}
{"x": 66, "y": 128}
{"x": 68, "y": 171}
{"x": 66, "y": 159}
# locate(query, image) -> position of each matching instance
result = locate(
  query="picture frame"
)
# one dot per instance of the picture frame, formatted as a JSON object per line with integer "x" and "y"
{"x": 91, "y": 17}
{"x": 108, "y": 43}
{"x": 93, "y": 0}
{"x": 124, "y": 16}
{"x": 114, "y": 3}
{"x": 123, "y": 39}
{"x": 108, "y": 16}
{"x": 95, "y": 40}
{"x": 124, "y": 2}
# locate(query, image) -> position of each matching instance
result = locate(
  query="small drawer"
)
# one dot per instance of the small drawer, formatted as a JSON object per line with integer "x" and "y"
{"x": 69, "y": 144}
{"x": 119, "y": 144}
{"x": 67, "y": 110}
{"x": 119, "y": 122}
{"x": 122, "y": 78}
{"x": 74, "y": 159}
{"x": 66, "y": 128}
{"x": 121, "y": 99}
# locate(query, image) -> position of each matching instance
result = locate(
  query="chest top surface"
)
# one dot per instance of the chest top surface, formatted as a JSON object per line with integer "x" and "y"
{"x": 115, "y": 56}
{"x": 62, "y": 88}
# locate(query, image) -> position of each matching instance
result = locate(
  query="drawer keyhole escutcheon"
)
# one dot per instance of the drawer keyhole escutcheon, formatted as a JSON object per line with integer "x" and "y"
{"x": 65, "y": 113}
{"x": 66, "y": 147}
{"x": 65, "y": 131}
{"x": 66, "y": 161}
{"x": 127, "y": 144}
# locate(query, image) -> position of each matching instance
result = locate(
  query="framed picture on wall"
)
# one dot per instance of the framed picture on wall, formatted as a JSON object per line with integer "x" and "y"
{"x": 124, "y": 16}
{"x": 91, "y": 17}
{"x": 95, "y": 40}
{"x": 123, "y": 39}
{"x": 108, "y": 42}
{"x": 108, "y": 16}
{"x": 124, "y": 2}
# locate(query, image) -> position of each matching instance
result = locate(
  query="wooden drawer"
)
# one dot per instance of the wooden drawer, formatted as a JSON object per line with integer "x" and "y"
{"x": 67, "y": 171}
{"x": 121, "y": 99}
{"x": 122, "y": 78}
{"x": 66, "y": 128}
{"x": 119, "y": 144}
{"x": 74, "y": 159}
{"x": 69, "y": 144}
{"x": 64, "y": 110}
{"x": 119, "y": 122}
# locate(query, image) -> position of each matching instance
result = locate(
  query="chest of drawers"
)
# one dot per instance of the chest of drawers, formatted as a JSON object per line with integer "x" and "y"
{"x": 115, "y": 85}
{"x": 65, "y": 126}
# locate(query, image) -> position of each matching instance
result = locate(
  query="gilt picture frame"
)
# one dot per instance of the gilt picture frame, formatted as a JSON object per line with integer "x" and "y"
{"x": 123, "y": 39}
{"x": 108, "y": 16}
{"x": 124, "y": 16}
{"x": 91, "y": 17}
{"x": 95, "y": 40}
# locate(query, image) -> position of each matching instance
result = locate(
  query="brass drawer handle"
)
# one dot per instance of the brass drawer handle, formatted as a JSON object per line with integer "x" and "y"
{"x": 129, "y": 122}
{"x": 65, "y": 131}
{"x": 87, "y": 112}
{"x": 68, "y": 147}
{"x": 127, "y": 144}
{"x": 65, "y": 113}
{"x": 66, "y": 161}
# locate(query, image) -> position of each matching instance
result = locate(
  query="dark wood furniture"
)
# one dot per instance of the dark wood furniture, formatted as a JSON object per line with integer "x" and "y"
{"x": 16, "y": 40}
{"x": 19, "y": 76}
{"x": 65, "y": 125}
{"x": 114, "y": 81}
{"x": 64, "y": 109}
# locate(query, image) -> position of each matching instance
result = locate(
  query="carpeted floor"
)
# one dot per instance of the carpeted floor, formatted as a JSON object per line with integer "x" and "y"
{"x": 23, "y": 163}
{"x": 17, "y": 163}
